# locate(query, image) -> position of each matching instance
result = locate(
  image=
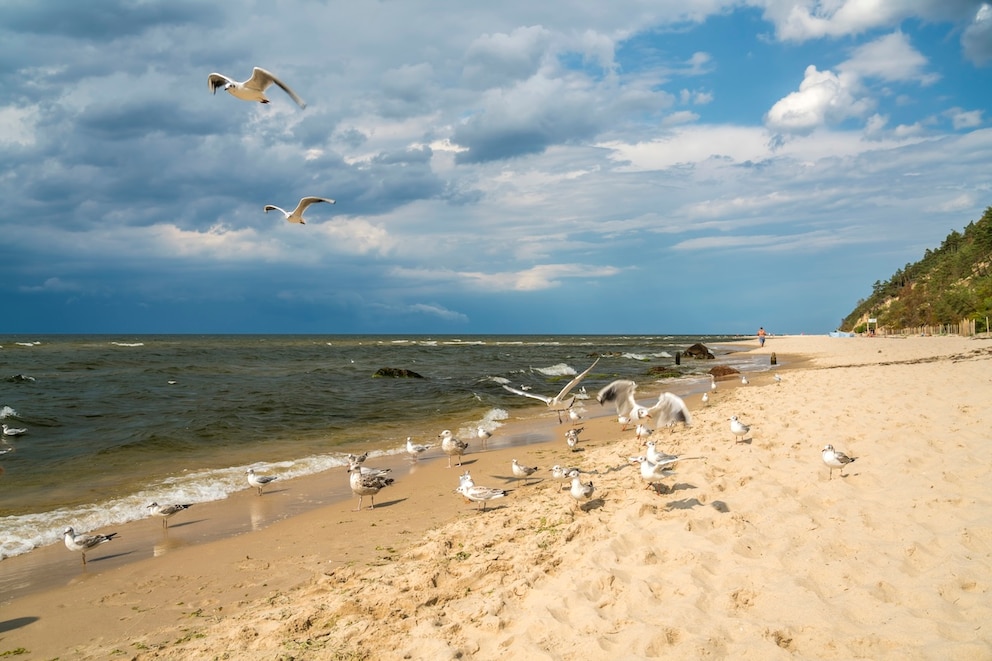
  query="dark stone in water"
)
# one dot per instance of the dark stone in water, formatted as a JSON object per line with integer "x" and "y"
{"x": 699, "y": 350}
{"x": 664, "y": 372}
{"x": 723, "y": 370}
{"x": 395, "y": 373}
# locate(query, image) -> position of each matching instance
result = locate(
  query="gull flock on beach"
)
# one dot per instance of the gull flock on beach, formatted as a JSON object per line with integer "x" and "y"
{"x": 654, "y": 465}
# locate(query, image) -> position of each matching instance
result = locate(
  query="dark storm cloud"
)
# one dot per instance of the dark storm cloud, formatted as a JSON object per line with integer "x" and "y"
{"x": 101, "y": 20}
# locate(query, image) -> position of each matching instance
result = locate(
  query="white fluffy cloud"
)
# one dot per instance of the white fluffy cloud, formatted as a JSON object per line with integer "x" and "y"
{"x": 823, "y": 98}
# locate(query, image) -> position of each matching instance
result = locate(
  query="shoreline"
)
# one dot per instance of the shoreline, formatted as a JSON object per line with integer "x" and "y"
{"x": 44, "y": 567}
{"x": 895, "y": 555}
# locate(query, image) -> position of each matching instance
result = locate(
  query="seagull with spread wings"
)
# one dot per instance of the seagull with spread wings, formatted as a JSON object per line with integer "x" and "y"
{"x": 560, "y": 402}
{"x": 252, "y": 89}
{"x": 296, "y": 215}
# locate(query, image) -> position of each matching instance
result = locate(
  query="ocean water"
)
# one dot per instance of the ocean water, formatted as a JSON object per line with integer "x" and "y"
{"x": 117, "y": 422}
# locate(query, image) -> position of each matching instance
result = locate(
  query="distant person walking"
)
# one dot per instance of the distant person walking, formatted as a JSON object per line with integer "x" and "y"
{"x": 761, "y": 336}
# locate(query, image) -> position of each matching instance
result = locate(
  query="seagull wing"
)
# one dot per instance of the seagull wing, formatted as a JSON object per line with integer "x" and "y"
{"x": 261, "y": 79}
{"x": 574, "y": 382}
{"x": 669, "y": 410}
{"x": 217, "y": 80}
{"x": 272, "y": 207}
{"x": 307, "y": 201}
{"x": 621, "y": 393}
{"x": 532, "y": 395}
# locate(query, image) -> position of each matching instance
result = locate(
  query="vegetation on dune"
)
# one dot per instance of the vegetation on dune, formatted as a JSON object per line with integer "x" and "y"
{"x": 950, "y": 284}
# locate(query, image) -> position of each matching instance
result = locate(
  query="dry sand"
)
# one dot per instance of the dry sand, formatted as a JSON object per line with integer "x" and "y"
{"x": 749, "y": 553}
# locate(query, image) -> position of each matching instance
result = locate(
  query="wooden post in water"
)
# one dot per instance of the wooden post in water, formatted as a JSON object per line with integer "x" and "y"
{"x": 774, "y": 359}
{"x": 678, "y": 357}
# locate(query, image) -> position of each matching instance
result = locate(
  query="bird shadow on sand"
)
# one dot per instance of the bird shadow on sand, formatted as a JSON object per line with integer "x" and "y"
{"x": 388, "y": 503}
{"x": 683, "y": 504}
{"x": 743, "y": 441}
{"x": 122, "y": 554}
{"x": 183, "y": 524}
{"x": 17, "y": 623}
{"x": 593, "y": 504}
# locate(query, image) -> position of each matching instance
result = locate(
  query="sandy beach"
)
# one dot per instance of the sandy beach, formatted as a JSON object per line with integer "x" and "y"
{"x": 750, "y": 551}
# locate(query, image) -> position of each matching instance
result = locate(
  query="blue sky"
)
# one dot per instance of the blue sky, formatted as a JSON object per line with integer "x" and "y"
{"x": 683, "y": 166}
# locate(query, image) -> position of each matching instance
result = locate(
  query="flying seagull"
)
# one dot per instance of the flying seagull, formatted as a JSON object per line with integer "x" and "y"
{"x": 252, "y": 89}
{"x": 561, "y": 401}
{"x": 296, "y": 215}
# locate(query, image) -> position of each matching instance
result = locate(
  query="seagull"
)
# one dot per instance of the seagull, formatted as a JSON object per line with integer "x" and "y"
{"x": 563, "y": 473}
{"x": 744, "y": 380}
{"x": 656, "y": 457}
{"x": 483, "y": 434}
{"x": 13, "y": 431}
{"x": 561, "y": 401}
{"x": 252, "y": 89}
{"x": 651, "y": 472}
{"x": 296, "y": 215}
{"x": 364, "y": 484}
{"x": 574, "y": 416}
{"x": 738, "y": 428}
{"x": 480, "y": 494}
{"x": 166, "y": 511}
{"x": 520, "y": 470}
{"x": 706, "y": 398}
{"x": 452, "y": 446}
{"x": 621, "y": 393}
{"x": 368, "y": 470}
{"x": 778, "y": 379}
{"x": 572, "y": 438}
{"x": 669, "y": 410}
{"x": 643, "y": 431}
{"x": 835, "y": 459}
{"x": 357, "y": 458}
{"x": 82, "y": 542}
{"x": 416, "y": 449}
{"x": 712, "y": 382}
{"x": 580, "y": 490}
{"x": 259, "y": 481}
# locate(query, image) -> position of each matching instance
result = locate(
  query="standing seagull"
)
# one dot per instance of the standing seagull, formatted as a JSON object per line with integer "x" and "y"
{"x": 82, "y": 542}
{"x": 560, "y": 402}
{"x": 835, "y": 459}
{"x": 252, "y": 89}
{"x": 166, "y": 511}
{"x": 744, "y": 380}
{"x": 652, "y": 473}
{"x": 365, "y": 484}
{"x": 519, "y": 470}
{"x": 484, "y": 435}
{"x": 416, "y": 449}
{"x": 479, "y": 494}
{"x": 580, "y": 490}
{"x": 738, "y": 428}
{"x": 259, "y": 481}
{"x": 296, "y": 215}
{"x": 452, "y": 446}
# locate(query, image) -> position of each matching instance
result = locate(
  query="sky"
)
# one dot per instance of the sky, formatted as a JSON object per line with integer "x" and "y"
{"x": 633, "y": 166}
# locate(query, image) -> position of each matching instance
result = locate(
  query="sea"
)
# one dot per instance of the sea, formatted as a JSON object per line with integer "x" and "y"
{"x": 115, "y": 422}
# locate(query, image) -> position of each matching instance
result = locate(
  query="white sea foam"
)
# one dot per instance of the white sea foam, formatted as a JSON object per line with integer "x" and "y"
{"x": 128, "y": 344}
{"x": 25, "y": 532}
{"x": 561, "y": 369}
{"x": 7, "y": 412}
